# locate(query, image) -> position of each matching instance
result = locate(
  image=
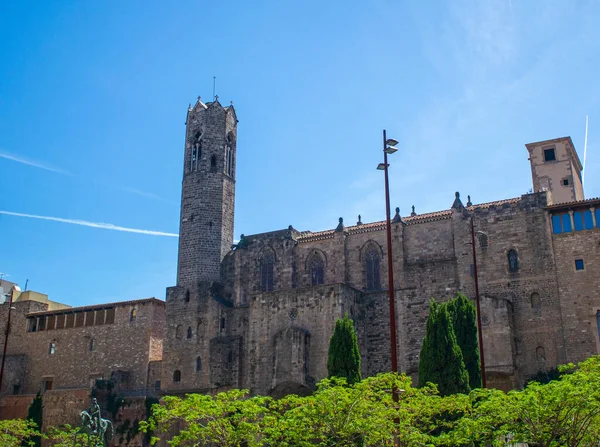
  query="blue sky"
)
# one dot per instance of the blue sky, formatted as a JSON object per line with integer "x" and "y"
{"x": 93, "y": 97}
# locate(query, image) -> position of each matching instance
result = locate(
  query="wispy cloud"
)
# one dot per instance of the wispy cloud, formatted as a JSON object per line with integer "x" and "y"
{"x": 85, "y": 223}
{"x": 46, "y": 167}
{"x": 33, "y": 163}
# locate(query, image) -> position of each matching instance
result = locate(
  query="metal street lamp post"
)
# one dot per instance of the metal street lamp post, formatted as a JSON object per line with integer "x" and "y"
{"x": 389, "y": 148}
{"x": 479, "y": 333}
{"x": 14, "y": 290}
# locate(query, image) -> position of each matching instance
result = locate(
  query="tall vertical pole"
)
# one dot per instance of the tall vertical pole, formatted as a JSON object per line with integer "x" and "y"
{"x": 10, "y": 303}
{"x": 390, "y": 265}
{"x": 479, "y": 333}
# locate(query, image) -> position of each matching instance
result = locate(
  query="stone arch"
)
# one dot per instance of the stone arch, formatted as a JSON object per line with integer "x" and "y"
{"x": 513, "y": 260}
{"x": 289, "y": 387}
{"x": 371, "y": 259}
{"x": 315, "y": 266}
{"x": 266, "y": 269}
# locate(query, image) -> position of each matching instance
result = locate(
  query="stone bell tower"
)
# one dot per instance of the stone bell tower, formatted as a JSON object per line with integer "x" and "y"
{"x": 207, "y": 193}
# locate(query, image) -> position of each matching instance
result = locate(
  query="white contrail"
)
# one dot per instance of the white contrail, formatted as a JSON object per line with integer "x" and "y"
{"x": 85, "y": 223}
{"x": 35, "y": 164}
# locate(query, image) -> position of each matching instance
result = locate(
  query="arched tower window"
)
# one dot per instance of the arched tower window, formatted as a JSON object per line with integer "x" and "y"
{"x": 317, "y": 269}
{"x": 513, "y": 261}
{"x": 372, "y": 262}
{"x": 177, "y": 376}
{"x": 178, "y": 330}
{"x": 213, "y": 163}
{"x": 189, "y": 332}
{"x": 198, "y": 364}
{"x": 267, "y": 264}
{"x": 196, "y": 151}
{"x": 133, "y": 314}
{"x": 483, "y": 240}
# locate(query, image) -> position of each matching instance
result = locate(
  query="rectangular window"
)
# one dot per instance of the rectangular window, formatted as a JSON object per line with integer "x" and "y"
{"x": 157, "y": 385}
{"x": 597, "y": 213}
{"x": 100, "y": 317}
{"x": 46, "y": 385}
{"x": 549, "y": 155}
{"x": 89, "y": 318}
{"x": 70, "y": 320}
{"x": 51, "y": 322}
{"x": 16, "y": 389}
{"x": 110, "y": 316}
{"x": 79, "y": 316}
{"x": 32, "y": 324}
{"x": 60, "y": 321}
{"x": 556, "y": 224}
{"x": 578, "y": 220}
{"x": 565, "y": 182}
{"x": 588, "y": 223}
{"x": 579, "y": 264}
{"x": 41, "y": 323}
{"x": 566, "y": 222}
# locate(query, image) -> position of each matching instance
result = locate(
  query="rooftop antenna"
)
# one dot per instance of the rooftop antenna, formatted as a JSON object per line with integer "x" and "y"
{"x": 214, "y": 85}
{"x": 584, "y": 151}
{"x": 26, "y": 282}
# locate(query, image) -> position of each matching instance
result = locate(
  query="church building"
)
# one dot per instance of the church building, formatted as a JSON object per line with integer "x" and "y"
{"x": 259, "y": 314}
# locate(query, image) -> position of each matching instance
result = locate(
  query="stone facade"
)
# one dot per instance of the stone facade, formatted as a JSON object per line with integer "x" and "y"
{"x": 264, "y": 321}
{"x": 71, "y": 348}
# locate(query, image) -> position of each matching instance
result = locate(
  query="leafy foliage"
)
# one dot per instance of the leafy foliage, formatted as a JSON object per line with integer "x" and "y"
{"x": 464, "y": 322}
{"x": 441, "y": 360}
{"x": 17, "y": 432}
{"x": 344, "y": 355}
{"x": 562, "y": 413}
{"x": 68, "y": 436}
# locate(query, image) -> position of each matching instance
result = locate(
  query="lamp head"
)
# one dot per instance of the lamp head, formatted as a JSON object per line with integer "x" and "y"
{"x": 391, "y": 142}
{"x": 390, "y": 149}
{"x": 381, "y": 166}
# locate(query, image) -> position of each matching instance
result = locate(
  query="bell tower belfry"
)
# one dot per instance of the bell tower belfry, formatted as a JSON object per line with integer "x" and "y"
{"x": 207, "y": 193}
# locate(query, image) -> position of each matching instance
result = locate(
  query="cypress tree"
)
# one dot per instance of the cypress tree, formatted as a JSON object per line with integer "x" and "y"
{"x": 464, "y": 321}
{"x": 35, "y": 414}
{"x": 344, "y": 355}
{"x": 441, "y": 360}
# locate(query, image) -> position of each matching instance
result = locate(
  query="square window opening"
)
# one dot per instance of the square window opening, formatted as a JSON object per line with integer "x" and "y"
{"x": 579, "y": 265}
{"x": 549, "y": 155}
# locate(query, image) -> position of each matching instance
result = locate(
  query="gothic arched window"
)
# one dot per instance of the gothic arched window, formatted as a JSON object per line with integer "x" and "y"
{"x": 372, "y": 261}
{"x": 267, "y": 264}
{"x": 483, "y": 240}
{"x": 133, "y": 314}
{"x": 317, "y": 269}
{"x": 189, "y": 332}
{"x": 213, "y": 163}
{"x": 177, "y": 376}
{"x": 178, "y": 330}
{"x": 198, "y": 364}
{"x": 513, "y": 261}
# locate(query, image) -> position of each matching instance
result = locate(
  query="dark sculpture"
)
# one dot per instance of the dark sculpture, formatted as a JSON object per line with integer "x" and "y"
{"x": 99, "y": 431}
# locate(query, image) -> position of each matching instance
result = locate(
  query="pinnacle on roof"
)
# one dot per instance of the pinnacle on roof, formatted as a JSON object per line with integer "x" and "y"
{"x": 457, "y": 202}
{"x": 397, "y": 217}
{"x": 340, "y": 226}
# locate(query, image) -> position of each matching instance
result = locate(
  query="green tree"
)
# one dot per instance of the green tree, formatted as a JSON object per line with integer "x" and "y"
{"x": 35, "y": 415}
{"x": 464, "y": 322}
{"x": 441, "y": 360}
{"x": 17, "y": 432}
{"x": 344, "y": 355}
